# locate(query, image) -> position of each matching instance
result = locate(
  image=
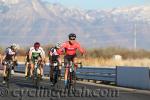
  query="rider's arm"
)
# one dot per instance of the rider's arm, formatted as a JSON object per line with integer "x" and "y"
{"x": 6, "y": 51}
{"x": 82, "y": 51}
{"x": 50, "y": 54}
{"x": 42, "y": 53}
{"x": 3, "y": 57}
{"x": 30, "y": 55}
{"x": 61, "y": 50}
{"x": 14, "y": 58}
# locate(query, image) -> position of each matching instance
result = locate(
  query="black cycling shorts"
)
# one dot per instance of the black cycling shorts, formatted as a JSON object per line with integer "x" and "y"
{"x": 68, "y": 58}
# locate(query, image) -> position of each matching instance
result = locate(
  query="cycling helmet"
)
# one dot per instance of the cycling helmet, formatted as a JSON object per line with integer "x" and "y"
{"x": 57, "y": 45}
{"x": 72, "y": 36}
{"x": 14, "y": 46}
{"x": 36, "y": 45}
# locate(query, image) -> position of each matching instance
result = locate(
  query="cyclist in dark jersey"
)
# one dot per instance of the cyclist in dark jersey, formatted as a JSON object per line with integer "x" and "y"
{"x": 54, "y": 55}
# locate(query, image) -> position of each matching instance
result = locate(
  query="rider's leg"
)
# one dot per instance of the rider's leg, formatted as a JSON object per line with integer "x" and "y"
{"x": 41, "y": 69}
{"x": 4, "y": 72}
{"x": 32, "y": 68}
{"x": 59, "y": 72}
{"x": 26, "y": 69}
{"x": 66, "y": 75}
{"x": 75, "y": 60}
{"x": 66, "y": 71}
{"x": 51, "y": 72}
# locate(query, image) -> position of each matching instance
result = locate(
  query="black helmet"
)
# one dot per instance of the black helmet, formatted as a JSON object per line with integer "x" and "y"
{"x": 72, "y": 36}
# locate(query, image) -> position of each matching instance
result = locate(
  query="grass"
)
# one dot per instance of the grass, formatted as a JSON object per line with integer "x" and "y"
{"x": 98, "y": 62}
{"x": 103, "y": 56}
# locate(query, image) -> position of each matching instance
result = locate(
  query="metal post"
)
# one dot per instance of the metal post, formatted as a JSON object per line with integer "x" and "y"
{"x": 135, "y": 40}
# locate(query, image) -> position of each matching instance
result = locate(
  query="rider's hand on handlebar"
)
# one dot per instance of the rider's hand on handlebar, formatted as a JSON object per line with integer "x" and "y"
{"x": 15, "y": 62}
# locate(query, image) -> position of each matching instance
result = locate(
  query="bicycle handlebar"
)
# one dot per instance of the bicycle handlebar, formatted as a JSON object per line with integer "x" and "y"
{"x": 62, "y": 63}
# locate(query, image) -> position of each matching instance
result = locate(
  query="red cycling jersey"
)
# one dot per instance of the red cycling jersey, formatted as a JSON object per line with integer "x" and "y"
{"x": 70, "y": 49}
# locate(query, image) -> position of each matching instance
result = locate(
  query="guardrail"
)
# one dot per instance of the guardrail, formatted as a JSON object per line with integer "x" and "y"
{"x": 88, "y": 73}
{"x": 97, "y": 74}
{"x": 105, "y": 74}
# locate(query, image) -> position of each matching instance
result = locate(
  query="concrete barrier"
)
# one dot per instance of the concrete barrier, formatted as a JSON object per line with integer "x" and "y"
{"x": 134, "y": 77}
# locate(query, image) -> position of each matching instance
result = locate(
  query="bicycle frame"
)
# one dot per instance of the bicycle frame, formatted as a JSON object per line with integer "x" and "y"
{"x": 71, "y": 78}
{"x": 36, "y": 74}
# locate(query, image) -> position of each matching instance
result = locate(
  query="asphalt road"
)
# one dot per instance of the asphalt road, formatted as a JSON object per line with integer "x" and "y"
{"x": 23, "y": 89}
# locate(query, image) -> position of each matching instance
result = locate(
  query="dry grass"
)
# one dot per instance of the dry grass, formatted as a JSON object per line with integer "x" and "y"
{"x": 97, "y": 62}
{"x": 103, "y": 56}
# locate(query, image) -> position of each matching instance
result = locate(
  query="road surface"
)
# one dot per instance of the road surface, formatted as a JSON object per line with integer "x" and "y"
{"x": 23, "y": 89}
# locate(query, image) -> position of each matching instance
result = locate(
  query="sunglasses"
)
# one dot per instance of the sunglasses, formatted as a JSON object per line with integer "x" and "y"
{"x": 72, "y": 38}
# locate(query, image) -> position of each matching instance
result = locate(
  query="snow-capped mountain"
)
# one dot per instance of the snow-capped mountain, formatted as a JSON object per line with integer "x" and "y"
{"x": 26, "y": 21}
{"x": 10, "y": 2}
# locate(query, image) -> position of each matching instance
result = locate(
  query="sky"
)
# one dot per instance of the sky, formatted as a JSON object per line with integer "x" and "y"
{"x": 99, "y": 4}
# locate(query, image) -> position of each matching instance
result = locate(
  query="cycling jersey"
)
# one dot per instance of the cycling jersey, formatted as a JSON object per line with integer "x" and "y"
{"x": 53, "y": 54}
{"x": 70, "y": 49}
{"x": 9, "y": 54}
{"x": 37, "y": 53}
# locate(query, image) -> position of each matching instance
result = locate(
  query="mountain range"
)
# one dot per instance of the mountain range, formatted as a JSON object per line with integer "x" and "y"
{"x": 27, "y": 21}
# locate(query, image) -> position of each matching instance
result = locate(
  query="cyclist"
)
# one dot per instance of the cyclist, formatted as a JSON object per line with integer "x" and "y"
{"x": 27, "y": 63}
{"x": 70, "y": 47}
{"x": 36, "y": 52}
{"x": 10, "y": 54}
{"x": 54, "y": 55}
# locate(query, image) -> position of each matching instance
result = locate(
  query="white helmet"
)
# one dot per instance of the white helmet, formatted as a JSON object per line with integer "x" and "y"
{"x": 57, "y": 45}
{"x": 15, "y": 46}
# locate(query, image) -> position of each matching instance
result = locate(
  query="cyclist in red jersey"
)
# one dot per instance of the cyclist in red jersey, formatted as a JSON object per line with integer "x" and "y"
{"x": 70, "y": 47}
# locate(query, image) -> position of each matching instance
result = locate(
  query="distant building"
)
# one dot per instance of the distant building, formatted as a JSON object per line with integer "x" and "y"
{"x": 117, "y": 57}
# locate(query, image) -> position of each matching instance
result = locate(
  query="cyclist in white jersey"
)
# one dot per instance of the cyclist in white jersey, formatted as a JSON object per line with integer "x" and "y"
{"x": 38, "y": 53}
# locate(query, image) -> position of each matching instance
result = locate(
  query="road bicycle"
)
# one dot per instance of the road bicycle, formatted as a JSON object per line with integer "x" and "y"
{"x": 55, "y": 73}
{"x": 71, "y": 77}
{"x": 36, "y": 73}
{"x": 9, "y": 64}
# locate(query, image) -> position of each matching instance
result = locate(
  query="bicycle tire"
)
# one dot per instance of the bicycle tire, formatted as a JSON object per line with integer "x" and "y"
{"x": 73, "y": 80}
{"x": 36, "y": 78}
{"x": 55, "y": 76}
